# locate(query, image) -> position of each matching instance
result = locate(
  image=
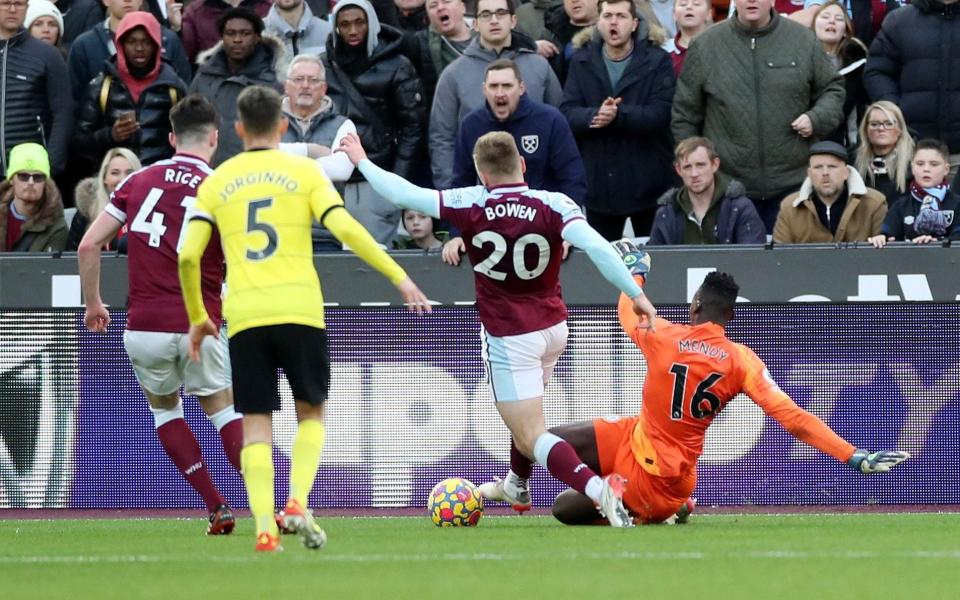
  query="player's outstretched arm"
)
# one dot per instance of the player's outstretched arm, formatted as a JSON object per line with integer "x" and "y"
{"x": 876, "y": 462}
{"x": 104, "y": 228}
{"x": 394, "y": 188}
{"x": 195, "y": 241}
{"x": 804, "y": 425}
{"x": 351, "y": 233}
{"x": 610, "y": 265}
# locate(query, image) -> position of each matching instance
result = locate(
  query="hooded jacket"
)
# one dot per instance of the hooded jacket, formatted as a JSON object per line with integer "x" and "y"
{"x": 460, "y": 91}
{"x": 914, "y": 62}
{"x": 308, "y": 37}
{"x": 544, "y": 140}
{"x": 799, "y": 223}
{"x": 151, "y": 98}
{"x": 737, "y": 220}
{"x": 34, "y": 107}
{"x": 628, "y": 161}
{"x": 742, "y": 89}
{"x": 215, "y": 82}
{"x": 46, "y": 230}
{"x": 94, "y": 47}
{"x": 390, "y": 119}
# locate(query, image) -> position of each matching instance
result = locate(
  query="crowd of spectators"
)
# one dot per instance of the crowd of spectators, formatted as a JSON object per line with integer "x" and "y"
{"x": 680, "y": 121}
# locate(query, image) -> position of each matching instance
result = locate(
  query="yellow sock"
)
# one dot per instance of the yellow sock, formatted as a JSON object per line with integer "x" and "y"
{"x": 307, "y": 447}
{"x": 256, "y": 461}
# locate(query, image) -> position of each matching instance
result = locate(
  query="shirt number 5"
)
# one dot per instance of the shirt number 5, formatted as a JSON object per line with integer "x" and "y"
{"x": 253, "y": 224}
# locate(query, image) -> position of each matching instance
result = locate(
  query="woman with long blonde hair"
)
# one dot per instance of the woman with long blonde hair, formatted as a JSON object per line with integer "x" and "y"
{"x": 883, "y": 158}
{"x": 93, "y": 193}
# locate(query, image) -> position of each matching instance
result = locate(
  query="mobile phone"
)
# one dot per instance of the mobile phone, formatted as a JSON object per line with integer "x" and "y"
{"x": 130, "y": 115}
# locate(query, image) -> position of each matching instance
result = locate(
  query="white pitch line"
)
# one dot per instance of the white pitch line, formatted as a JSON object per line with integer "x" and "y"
{"x": 486, "y": 557}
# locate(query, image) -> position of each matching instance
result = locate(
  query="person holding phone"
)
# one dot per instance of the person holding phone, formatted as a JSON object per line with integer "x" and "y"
{"x": 129, "y": 103}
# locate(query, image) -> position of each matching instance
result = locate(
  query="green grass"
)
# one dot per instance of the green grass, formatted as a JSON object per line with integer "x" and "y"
{"x": 845, "y": 556}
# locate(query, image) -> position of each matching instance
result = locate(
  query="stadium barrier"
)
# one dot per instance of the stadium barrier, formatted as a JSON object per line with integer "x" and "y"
{"x": 865, "y": 339}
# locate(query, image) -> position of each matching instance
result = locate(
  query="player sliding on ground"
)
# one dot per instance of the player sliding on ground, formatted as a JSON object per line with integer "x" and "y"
{"x": 152, "y": 204}
{"x": 263, "y": 203}
{"x": 693, "y": 371}
{"x": 514, "y": 238}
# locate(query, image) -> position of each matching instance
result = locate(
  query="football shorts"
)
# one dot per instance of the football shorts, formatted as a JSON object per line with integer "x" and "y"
{"x": 257, "y": 353}
{"x": 161, "y": 362}
{"x": 650, "y": 499}
{"x": 519, "y": 366}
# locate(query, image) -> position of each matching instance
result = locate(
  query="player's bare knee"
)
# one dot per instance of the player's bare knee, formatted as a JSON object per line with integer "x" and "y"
{"x": 162, "y": 401}
{"x": 216, "y": 401}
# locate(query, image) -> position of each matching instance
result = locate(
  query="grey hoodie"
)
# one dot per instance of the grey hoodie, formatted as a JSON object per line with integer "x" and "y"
{"x": 309, "y": 36}
{"x": 373, "y": 22}
{"x": 460, "y": 91}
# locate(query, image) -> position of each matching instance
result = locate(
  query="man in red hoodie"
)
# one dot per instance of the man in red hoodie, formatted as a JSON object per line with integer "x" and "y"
{"x": 129, "y": 103}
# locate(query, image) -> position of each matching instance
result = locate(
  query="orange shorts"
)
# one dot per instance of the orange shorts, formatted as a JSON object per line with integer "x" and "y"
{"x": 649, "y": 498}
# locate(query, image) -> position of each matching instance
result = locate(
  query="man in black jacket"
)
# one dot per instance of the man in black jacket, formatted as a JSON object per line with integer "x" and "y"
{"x": 617, "y": 100}
{"x": 372, "y": 83}
{"x": 34, "y": 109}
{"x": 244, "y": 56}
{"x": 91, "y": 49}
{"x": 913, "y": 63}
{"x": 129, "y": 103}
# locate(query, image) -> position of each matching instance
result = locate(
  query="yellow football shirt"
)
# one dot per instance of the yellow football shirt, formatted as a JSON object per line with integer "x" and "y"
{"x": 263, "y": 202}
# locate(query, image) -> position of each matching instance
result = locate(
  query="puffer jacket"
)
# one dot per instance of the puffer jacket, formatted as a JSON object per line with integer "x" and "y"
{"x": 215, "y": 82}
{"x": 150, "y": 142}
{"x": 742, "y": 89}
{"x": 737, "y": 219}
{"x": 46, "y": 231}
{"x": 34, "y": 107}
{"x": 391, "y": 90}
{"x": 799, "y": 223}
{"x": 914, "y": 62}
{"x": 628, "y": 161}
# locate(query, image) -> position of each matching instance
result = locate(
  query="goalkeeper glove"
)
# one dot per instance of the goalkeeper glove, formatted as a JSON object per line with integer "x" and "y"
{"x": 876, "y": 462}
{"x": 633, "y": 257}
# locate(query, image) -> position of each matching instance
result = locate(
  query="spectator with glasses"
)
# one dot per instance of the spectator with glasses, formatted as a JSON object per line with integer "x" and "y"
{"x": 316, "y": 126}
{"x": 883, "y": 159}
{"x": 31, "y": 209}
{"x": 459, "y": 88}
{"x": 925, "y": 214}
{"x": 32, "y": 73}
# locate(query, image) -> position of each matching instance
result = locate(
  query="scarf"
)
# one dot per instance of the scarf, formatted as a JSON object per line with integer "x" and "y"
{"x": 931, "y": 220}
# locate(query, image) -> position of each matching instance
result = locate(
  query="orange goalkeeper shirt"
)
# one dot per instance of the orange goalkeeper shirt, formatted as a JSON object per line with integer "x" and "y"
{"x": 693, "y": 371}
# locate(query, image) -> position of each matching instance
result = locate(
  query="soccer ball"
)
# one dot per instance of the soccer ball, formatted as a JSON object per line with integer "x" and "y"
{"x": 455, "y": 502}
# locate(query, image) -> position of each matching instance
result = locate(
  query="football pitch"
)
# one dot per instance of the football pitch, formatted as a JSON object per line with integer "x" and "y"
{"x": 809, "y": 556}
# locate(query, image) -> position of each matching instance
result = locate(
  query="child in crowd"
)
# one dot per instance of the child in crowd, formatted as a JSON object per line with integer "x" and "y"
{"x": 925, "y": 213}
{"x": 422, "y": 230}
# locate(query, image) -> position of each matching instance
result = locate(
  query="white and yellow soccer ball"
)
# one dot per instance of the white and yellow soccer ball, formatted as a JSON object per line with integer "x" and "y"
{"x": 455, "y": 502}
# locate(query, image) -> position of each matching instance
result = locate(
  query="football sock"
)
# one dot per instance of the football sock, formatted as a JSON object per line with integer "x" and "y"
{"x": 230, "y": 425}
{"x": 520, "y": 465}
{"x": 559, "y": 457}
{"x": 184, "y": 450}
{"x": 257, "y": 461}
{"x": 305, "y": 459}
